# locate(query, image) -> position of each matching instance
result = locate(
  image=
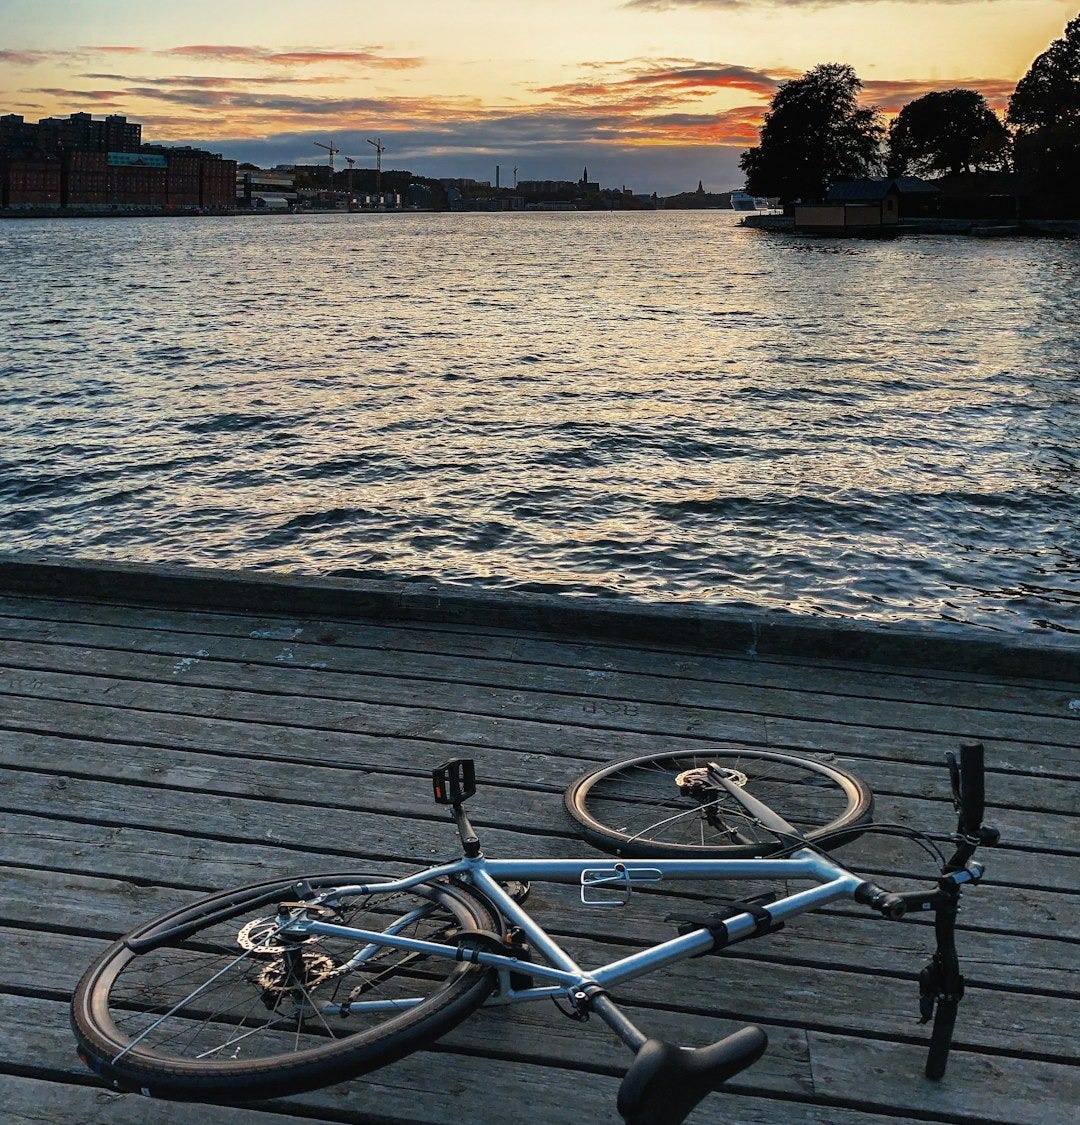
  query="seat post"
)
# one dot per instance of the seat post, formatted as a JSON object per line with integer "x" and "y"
{"x": 616, "y": 1019}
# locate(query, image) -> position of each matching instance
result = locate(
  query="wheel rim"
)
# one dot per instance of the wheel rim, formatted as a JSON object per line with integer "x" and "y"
{"x": 661, "y": 804}
{"x": 209, "y": 1003}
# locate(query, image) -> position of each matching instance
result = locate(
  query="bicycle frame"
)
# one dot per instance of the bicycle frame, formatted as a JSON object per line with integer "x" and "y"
{"x": 566, "y": 977}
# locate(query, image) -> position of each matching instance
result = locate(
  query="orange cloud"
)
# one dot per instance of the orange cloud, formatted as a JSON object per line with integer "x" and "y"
{"x": 892, "y": 95}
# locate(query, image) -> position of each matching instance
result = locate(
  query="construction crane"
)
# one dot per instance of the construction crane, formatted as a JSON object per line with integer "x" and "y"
{"x": 350, "y": 161}
{"x": 515, "y": 177}
{"x": 331, "y": 153}
{"x": 380, "y": 148}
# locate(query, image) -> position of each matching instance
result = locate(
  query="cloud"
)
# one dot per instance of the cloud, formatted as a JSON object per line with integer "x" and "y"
{"x": 640, "y": 86}
{"x": 229, "y": 53}
{"x": 24, "y": 58}
{"x": 892, "y": 95}
{"x": 222, "y": 81}
{"x": 722, "y": 77}
{"x": 361, "y": 57}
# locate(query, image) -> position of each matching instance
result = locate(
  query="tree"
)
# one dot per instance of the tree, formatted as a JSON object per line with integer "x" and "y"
{"x": 1049, "y": 94}
{"x": 814, "y": 133}
{"x": 1045, "y": 109}
{"x": 947, "y": 131}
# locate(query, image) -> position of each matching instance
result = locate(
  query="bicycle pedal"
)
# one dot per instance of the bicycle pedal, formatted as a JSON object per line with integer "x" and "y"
{"x": 454, "y": 781}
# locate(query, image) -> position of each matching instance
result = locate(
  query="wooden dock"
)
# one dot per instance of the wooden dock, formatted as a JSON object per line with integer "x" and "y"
{"x": 165, "y": 733}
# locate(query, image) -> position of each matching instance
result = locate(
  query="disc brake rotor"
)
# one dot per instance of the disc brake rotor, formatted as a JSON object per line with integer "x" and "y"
{"x": 701, "y": 779}
{"x": 259, "y": 937}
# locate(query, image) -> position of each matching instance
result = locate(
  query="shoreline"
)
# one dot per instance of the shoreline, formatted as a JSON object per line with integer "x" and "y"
{"x": 757, "y": 634}
{"x": 975, "y": 228}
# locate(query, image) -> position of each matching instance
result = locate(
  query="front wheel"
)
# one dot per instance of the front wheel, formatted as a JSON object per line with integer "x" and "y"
{"x": 668, "y": 805}
{"x": 210, "y": 1003}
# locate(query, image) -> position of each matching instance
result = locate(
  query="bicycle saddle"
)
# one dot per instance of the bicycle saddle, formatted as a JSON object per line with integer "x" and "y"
{"x": 665, "y": 1082}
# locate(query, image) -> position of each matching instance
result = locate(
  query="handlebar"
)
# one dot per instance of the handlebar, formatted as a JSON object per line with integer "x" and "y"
{"x": 968, "y": 788}
{"x": 969, "y": 800}
{"x": 941, "y": 984}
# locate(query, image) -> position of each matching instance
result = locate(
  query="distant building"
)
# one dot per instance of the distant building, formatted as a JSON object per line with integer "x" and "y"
{"x": 587, "y": 186}
{"x": 17, "y": 137}
{"x": 100, "y": 165}
{"x": 546, "y": 187}
{"x": 82, "y": 133}
{"x": 30, "y": 183}
{"x": 463, "y": 183}
{"x": 253, "y": 184}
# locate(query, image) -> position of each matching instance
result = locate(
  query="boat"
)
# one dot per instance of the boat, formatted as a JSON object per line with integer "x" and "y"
{"x": 744, "y": 201}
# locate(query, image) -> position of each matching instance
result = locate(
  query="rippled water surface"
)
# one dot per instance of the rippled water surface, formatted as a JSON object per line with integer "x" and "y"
{"x": 660, "y": 406}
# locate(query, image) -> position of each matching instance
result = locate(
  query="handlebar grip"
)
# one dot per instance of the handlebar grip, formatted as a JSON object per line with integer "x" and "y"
{"x": 972, "y": 797}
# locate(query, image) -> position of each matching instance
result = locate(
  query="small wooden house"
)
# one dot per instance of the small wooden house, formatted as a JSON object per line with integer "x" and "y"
{"x": 867, "y": 206}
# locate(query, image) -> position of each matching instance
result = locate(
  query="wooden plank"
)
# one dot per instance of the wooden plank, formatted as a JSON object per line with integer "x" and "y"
{"x": 1040, "y": 961}
{"x": 552, "y": 724}
{"x": 354, "y": 646}
{"x": 1019, "y": 826}
{"x": 856, "y": 1004}
{"x": 428, "y": 1089}
{"x": 93, "y": 904}
{"x": 36, "y": 1101}
{"x": 35, "y": 1037}
{"x": 408, "y": 836}
{"x": 541, "y": 693}
{"x": 817, "y": 1067}
{"x": 116, "y": 732}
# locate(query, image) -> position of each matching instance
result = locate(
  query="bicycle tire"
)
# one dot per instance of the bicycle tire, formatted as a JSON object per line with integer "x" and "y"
{"x": 126, "y": 1040}
{"x": 633, "y": 808}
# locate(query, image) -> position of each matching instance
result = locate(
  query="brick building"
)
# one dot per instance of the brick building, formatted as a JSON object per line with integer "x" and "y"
{"x": 88, "y": 164}
{"x": 29, "y": 182}
{"x": 81, "y": 133}
{"x": 17, "y": 137}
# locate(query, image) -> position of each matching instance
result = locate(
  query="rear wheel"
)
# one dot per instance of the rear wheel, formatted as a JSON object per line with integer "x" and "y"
{"x": 668, "y": 805}
{"x": 213, "y": 1003}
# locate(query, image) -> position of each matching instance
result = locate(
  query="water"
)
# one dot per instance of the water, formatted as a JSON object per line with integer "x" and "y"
{"x": 651, "y": 406}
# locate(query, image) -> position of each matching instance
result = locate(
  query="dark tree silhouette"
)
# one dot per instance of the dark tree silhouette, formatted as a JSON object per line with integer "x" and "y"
{"x": 1045, "y": 109}
{"x": 814, "y": 133}
{"x": 947, "y": 131}
{"x": 1049, "y": 94}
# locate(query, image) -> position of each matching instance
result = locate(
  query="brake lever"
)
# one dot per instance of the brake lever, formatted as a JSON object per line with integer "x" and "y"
{"x": 954, "y": 778}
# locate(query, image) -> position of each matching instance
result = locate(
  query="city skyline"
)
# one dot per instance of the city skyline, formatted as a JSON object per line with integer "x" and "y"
{"x": 656, "y": 94}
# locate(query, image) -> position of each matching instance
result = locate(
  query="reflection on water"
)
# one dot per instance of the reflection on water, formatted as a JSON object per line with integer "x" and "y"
{"x": 659, "y": 406}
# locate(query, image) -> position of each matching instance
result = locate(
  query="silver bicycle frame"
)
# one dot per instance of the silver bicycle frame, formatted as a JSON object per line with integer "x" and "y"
{"x": 564, "y": 976}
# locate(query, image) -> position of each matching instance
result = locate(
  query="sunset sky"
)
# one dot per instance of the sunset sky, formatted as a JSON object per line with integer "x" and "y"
{"x": 651, "y": 94}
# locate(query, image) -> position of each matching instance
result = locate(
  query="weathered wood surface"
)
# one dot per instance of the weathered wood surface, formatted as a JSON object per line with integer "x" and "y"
{"x": 148, "y": 754}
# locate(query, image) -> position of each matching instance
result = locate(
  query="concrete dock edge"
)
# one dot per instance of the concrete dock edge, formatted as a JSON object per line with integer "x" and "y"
{"x": 761, "y": 634}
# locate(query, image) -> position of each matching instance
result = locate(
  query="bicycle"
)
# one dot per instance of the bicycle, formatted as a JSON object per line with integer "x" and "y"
{"x": 284, "y": 986}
